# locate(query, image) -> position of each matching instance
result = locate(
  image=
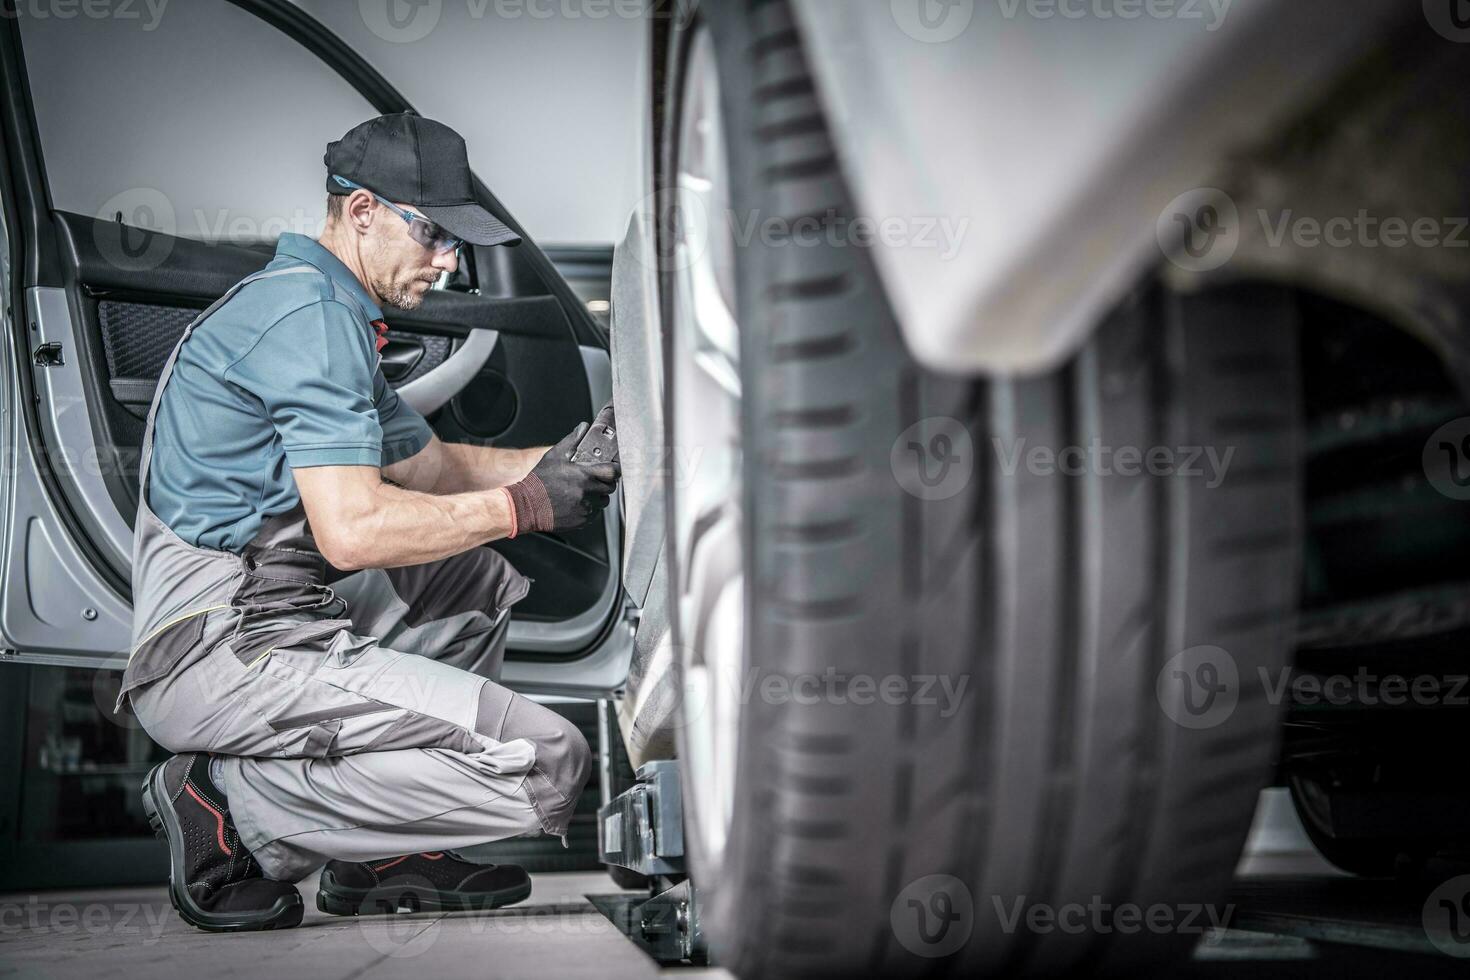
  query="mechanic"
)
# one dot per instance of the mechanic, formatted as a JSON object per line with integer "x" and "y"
{"x": 317, "y": 629}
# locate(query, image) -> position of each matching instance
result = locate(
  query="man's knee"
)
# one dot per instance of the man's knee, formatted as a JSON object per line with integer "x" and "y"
{"x": 563, "y": 757}
{"x": 478, "y": 580}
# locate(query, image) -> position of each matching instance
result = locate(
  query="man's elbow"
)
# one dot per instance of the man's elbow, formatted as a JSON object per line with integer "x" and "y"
{"x": 343, "y": 550}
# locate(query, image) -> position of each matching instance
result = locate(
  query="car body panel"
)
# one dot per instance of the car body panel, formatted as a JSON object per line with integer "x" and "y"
{"x": 646, "y": 710}
{"x": 1052, "y": 145}
{"x": 638, "y": 389}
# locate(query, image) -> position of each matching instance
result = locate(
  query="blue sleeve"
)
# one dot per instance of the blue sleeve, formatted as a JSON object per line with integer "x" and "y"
{"x": 405, "y": 433}
{"x": 313, "y": 372}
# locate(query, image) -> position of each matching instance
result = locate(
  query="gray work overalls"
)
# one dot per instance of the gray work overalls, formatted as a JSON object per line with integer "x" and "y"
{"x": 359, "y": 720}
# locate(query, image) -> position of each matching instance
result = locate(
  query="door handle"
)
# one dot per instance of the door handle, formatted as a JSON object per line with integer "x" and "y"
{"x": 400, "y": 357}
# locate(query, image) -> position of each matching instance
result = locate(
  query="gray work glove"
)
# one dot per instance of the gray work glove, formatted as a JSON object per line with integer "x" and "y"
{"x": 559, "y": 495}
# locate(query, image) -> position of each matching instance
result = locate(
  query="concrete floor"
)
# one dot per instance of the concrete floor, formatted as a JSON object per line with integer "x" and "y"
{"x": 556, "y": 934}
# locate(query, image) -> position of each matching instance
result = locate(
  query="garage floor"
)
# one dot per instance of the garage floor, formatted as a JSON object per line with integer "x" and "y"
{"x": 558, "y": 935}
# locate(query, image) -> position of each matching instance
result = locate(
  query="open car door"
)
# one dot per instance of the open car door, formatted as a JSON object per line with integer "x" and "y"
{"x": 117, "y": 241}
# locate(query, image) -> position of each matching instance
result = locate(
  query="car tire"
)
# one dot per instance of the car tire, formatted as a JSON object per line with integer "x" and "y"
{"x": 1382, "y": 857}
{"x": 1066, "y": 611}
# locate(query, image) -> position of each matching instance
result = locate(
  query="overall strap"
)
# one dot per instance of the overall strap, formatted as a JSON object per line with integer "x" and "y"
{"x": 146, "y": 454}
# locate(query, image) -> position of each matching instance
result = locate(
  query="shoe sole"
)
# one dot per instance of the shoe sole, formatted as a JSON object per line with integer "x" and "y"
{"x": 335, "y": 899}
{"x": 285, "y": 914}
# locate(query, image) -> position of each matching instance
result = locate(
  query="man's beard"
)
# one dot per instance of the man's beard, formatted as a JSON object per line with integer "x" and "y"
{"x": 401, "y": 295}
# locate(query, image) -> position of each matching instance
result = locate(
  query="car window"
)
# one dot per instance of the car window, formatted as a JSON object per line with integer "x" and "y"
{"x": 196, "y": 118}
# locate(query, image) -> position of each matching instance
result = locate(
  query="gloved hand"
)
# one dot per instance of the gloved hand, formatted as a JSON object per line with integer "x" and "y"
{"x": 600, "y": 445}
{"x": 559, "y": 495}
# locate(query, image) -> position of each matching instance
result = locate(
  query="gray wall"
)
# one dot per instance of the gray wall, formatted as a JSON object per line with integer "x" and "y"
{"x": 543, "y": 91}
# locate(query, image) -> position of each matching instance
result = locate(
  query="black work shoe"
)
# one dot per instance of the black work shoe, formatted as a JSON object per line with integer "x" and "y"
{"x": 431, "y": 882}
{"x": 213, "y": 881}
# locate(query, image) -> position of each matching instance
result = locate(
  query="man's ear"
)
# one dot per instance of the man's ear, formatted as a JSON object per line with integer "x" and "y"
{"x": 358, "y": 210}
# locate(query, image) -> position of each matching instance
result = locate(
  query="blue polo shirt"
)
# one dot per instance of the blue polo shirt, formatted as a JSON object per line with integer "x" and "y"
{"x": 284, "y": 375}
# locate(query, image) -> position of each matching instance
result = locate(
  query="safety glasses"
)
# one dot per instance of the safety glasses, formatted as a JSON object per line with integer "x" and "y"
{"x": 420, "y": 229}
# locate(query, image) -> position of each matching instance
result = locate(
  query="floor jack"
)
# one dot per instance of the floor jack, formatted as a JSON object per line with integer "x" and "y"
{"x": 642, "y": 830}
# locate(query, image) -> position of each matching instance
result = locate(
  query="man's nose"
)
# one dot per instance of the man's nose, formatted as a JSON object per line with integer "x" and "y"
{"x": 446, "y": 261}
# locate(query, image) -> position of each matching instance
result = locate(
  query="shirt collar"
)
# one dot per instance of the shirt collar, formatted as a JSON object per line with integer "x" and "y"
{"x": 313, "y": 252}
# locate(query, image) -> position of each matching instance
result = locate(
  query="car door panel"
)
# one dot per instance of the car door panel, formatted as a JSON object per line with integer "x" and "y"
{"x": 54, "y": 603}
{"x": 112, "y": 301}
{"x": 97, "y": 400}
{"x": 576, "y": 584}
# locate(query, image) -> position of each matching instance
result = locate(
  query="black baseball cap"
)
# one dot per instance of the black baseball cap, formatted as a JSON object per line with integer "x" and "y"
{"x": 412, "y": 160}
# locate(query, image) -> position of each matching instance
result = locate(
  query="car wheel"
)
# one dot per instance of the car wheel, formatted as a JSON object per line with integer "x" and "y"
{"x": 935, "y": 674}
{"x": 1383, "y": 857}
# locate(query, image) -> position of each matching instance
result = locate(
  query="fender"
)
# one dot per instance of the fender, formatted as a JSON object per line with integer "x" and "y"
{"x": 1061, "y": 135}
